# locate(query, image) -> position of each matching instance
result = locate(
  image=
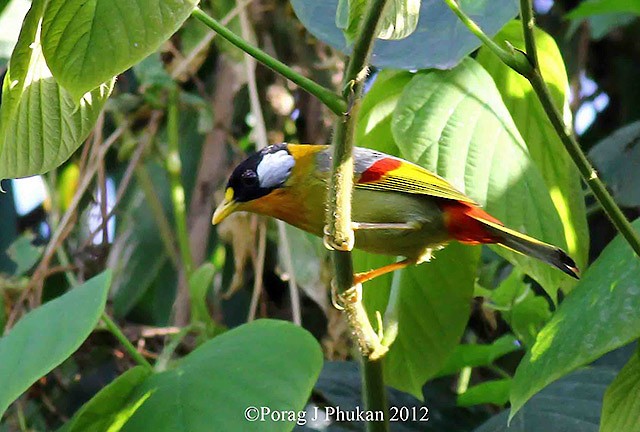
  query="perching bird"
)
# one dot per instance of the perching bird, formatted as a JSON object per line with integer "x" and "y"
{"x": 398, "y": 208}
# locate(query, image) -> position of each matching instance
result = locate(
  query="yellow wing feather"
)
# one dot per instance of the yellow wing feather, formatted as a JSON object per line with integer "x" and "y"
{"x": 413, "y": 179}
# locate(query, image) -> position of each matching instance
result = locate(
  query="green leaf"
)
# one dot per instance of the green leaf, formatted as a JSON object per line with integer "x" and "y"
{"x": 607, "y": 298}
{"x": 199, "y": 284}
{"x": 399, "y": 19}
{"x": 440, "y": 40}
{"x": 616, "y": 158}
{"x": 525, "y": 312}
{"x": 349, "y": 15}
{"x": 46, "y": 336}
{"x": 41, "y": 124}
{"x": 265, "y": 363}
{"x": 489, "y": 392}
{"x": 455, "y": 124}
{"x": 588, "y": 8}
{"x": 572, "y": 404}
{"x": 475, "y": 355}
{"x": 89, "y": 42}
{"x": 601, "y": 25}
{"x": 307, "y": 255}
{"x": 110, "y": 408}
{"x": 431, "y": 306}
{"x": 547, "y": 151}
{"x": 373, "y": 129}
{"x": 24, "y": 254}
{"x": 620, "y": 409}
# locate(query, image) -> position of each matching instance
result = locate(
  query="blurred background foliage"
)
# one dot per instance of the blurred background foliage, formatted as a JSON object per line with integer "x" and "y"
{"x": 243, "y": 271}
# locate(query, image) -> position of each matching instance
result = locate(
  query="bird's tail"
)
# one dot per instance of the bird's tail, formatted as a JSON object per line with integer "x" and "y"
{"x": 470, "y": 224}
{"x": 535, "y": 248}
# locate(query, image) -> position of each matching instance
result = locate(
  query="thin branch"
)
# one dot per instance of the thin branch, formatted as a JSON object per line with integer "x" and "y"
{"x": 329, "y": 98}
{"x": 259, "y": 269}
{"x": 174, "y": 168}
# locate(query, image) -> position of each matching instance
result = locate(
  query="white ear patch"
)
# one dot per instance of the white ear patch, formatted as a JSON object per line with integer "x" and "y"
{"x": 274, "y": 168}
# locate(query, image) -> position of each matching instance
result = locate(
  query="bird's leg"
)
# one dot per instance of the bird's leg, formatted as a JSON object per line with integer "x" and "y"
{"x": 363, "y": 277}
{"x": 386, "y": 226}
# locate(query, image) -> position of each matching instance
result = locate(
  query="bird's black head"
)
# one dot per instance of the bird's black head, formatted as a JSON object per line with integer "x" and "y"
{"x": 261, "y": 173}
{"x": 255, "y": 177}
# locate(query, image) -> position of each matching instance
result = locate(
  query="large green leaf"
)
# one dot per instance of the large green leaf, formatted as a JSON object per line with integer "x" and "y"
{"x": 570, "y": 405}
{"x": 547, "y": 151}
{"x": 455, "y": 124}
{"x": 616, "y": 157}
{"x": 439, "y": 41}
{"x": 620, "y": 407}
{"x": 110, "y": 408}
{"x": 432, "y": 307}
{"x": 48, "y": 335}
{"x": 267, "y": 363}
{"x": 608, "y": 299}
{"x": 595, "y": 7}
{"x": 41, "y": 125}
{"x": 88, "y": 42}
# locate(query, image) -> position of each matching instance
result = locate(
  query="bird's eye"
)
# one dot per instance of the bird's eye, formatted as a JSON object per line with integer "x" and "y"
{"x": 249, "y": 178}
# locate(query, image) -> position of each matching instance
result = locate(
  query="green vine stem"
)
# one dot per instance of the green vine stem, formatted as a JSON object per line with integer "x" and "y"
{"x": 531, "y": 71}
{"x": 339, "y": 233}
{"x": 333, "y": 101}
{"x": 174, "y": 168}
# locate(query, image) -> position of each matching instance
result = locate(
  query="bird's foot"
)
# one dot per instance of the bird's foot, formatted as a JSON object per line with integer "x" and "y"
{"x": 350, "y": 296}
{"x": 331, "y": 242}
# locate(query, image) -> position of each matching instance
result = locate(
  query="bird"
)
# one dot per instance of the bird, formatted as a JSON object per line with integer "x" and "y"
{"x": 398, "y": 208}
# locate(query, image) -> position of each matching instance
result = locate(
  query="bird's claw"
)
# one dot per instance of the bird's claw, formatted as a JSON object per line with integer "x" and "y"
{"x": 332, "y": 243}
{"x": 341, "y": 300}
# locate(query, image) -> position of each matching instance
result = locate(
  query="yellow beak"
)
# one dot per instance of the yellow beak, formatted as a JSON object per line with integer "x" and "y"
{"x": 226, "y": 207}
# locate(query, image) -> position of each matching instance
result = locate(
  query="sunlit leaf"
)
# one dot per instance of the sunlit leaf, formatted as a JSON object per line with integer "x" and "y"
{"x": 110, "y": 408}
{"x": 88, "y": 42}
{"x": 41, "y": 124}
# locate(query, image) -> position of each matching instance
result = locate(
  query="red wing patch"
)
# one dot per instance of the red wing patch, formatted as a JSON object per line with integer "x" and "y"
{"x": 379, "y": 169}
{"x": 464, "y": 222}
